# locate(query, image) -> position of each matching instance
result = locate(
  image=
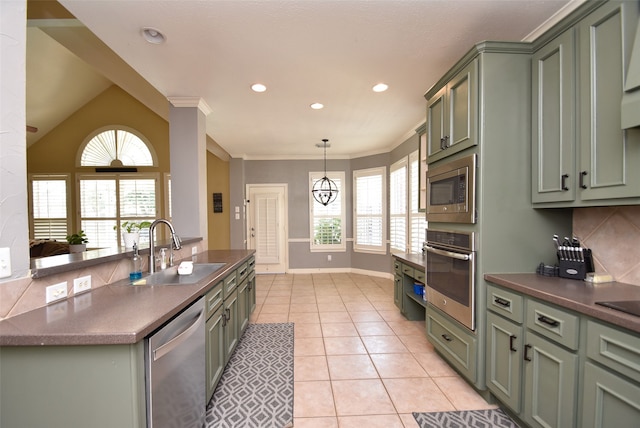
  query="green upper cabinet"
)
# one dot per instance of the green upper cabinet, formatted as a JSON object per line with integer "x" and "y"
{"x": 553, "y": 130}
{"x": 452, "y": 114}
{"x": 581, "y": 156}
{"x": 422, "y": 167}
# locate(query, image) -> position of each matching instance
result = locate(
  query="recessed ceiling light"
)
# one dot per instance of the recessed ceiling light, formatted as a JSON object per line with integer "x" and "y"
{"x": 316, "y": 106}
{"x": 380, "y": 87}
{"x": 258, "y": 87}
{"x": 153, "y": 35}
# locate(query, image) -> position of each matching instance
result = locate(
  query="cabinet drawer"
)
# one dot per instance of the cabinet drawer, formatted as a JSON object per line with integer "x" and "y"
{"x": 242, "y": 271}
{"x": 505, "y": 303}
{"x": 616, "y": 349}
{"x": 457, "y": 346}
{"x": 251, "y": 264}
{"x": 408, "y": 270}
{"x": 553, "y": 323}
{"x": 419, "y": 275}
{"x": 230, "y": 284}
{"x": 397, "y": 266}
{"x": 213, "y": 299}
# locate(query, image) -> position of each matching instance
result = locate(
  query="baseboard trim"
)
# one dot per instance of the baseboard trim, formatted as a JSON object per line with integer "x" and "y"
{"x": 377, "y": 274}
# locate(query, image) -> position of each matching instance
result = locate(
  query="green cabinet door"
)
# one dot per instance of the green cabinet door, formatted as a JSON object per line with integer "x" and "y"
{"x": 215, "y": 348}
{"x": 550, "y": 384}
{"x": 609, "y": 400}
{"x": 452, "y": 115}
{"x": 504, "y": 360}
{"x": 252, "y": 292}
{"x": 243, "y": 306}
{"x": 553, "y": 122}
{"x": 231, "y": 325}
{"x": 609, "y": 155}
{"x": 397, "y": 291}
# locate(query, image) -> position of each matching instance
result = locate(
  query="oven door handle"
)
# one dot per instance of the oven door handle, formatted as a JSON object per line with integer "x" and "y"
{"x": 451, "y": 254}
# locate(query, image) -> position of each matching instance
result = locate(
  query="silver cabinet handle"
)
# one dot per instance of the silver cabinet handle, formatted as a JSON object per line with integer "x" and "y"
{"x": 169, "y": 346}
{"x": 449, "y": 253}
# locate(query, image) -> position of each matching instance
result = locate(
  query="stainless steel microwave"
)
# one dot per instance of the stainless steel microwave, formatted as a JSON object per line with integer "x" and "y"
{"x": 451, "y": 191}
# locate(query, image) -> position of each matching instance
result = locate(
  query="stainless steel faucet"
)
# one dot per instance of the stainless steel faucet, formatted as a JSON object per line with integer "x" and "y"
{"x": 152, "y": 246}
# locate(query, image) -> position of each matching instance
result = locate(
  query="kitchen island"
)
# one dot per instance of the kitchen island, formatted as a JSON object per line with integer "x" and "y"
{"x": 81, "y": 361}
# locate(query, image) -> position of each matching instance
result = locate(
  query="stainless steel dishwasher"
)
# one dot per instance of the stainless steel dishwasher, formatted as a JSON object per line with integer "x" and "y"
{"x": 175, "y": 371}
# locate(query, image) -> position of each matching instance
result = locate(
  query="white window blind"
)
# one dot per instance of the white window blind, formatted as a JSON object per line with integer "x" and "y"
{"x": 108, "y": 200}
{"x": 267, "y": 230}
{"x": 398, "y": 205}
{"x": 49, "y": 206}
{"x": 116, "y": 147}
{"x": 417, "y": 219}
{"x": 326, "y": 222}
{"x": 370, "y": 210}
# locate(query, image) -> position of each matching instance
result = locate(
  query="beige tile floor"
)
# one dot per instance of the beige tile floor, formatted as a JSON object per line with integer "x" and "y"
{"x": 357, "y": 361}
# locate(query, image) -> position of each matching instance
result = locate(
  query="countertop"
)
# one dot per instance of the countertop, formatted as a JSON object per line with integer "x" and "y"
{"x": 417, "y": 260}
{"x": 117, "y": 313}
{"x": 575, "y": 295}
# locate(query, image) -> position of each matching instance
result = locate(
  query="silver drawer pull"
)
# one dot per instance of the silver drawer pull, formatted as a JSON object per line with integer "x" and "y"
{"x": 502, "y": 302}
{"x": 447, "y": 337}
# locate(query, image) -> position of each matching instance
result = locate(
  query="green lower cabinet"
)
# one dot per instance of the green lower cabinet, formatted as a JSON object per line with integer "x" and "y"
{"x": 397, "y": 291}
{"x": 252, "y": 292}
{"x": 243, "y": 306}
{"x": 609, "y": 400}
{"x": 457, "y": 344}
{"x": 504, "y": 360}
{"x": 215, "y": 347}
{"x": 231, "y": 327}
{"x": 550, "y": 384}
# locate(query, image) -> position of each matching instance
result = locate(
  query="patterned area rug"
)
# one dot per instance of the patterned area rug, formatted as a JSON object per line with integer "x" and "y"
{"x": 256, "y": 387}
{"x": 465, "y": 418}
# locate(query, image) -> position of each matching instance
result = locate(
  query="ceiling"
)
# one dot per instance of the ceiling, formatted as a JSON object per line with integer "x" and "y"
{"x": 305, "y": 51}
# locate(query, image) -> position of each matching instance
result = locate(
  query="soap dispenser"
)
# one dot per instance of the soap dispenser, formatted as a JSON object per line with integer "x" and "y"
{"x": 136, "y": 264}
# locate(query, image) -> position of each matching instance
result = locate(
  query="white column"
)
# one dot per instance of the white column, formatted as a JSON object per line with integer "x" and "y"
{"x": 188, "y": 150}
{"x": 14, "y": 226}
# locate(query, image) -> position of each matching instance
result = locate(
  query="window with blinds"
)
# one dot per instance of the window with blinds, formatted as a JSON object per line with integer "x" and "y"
{"x": 417, "y": 219}
{"x": 49, "y": 206}
{"x": 108, "y": 200}
{"x": 116, "y": 147}
{"x": 370, "y": 210}
{"x": 398, "y": 205}
{"x": 326, "y": 222}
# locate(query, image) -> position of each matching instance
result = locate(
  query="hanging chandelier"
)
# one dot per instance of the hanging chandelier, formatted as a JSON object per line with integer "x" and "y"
{"x": 324, "y": 190}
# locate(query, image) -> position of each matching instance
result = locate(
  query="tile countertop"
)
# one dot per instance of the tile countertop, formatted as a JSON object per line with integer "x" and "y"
{"x": 117, "y": 313}
{"x": 575, "y": 295}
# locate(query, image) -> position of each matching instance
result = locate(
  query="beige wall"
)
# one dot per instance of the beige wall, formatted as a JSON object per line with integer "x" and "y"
{"x": 613, "y": 235}
{"x": 218, "y": 223}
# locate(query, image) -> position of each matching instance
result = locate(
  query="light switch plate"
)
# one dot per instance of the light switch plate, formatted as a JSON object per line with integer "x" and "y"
{"x": 5, "y": 262}
{"x": 56, "y": 292}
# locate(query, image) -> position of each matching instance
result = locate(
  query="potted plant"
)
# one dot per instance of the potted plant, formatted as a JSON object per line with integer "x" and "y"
{"x": 131, "y": 231}
{"x": 77, "y": 242}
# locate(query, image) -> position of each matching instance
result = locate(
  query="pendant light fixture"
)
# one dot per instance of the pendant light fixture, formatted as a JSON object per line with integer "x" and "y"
{"x": 324, "y": 190}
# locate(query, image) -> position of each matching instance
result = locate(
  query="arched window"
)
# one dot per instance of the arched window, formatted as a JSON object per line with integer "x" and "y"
{"x": 116, "y": 147}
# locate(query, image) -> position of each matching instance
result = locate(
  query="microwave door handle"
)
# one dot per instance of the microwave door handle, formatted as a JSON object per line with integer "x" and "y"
{"x": 449, "y": 253}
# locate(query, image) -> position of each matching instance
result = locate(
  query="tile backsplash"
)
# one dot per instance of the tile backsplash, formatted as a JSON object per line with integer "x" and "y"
{"x": 613, "y": 235}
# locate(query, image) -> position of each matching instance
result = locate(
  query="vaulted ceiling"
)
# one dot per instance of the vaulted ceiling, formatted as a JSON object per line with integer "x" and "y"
{"x": 327, "y": 51}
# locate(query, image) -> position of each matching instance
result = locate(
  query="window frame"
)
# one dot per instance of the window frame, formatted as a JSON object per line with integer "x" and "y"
{"x": 117, "y": 177}
{"x": 413, "y": 212}
{"x": 115, "y": 128}
{"x": 66, "y": 177}
{"x": 336, "y": 176}
{"x": 397, "y": 166}
{"x": 366, "y": 248}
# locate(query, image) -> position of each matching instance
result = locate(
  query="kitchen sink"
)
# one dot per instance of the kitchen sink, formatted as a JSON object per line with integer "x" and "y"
{"x": 170, "y": 275}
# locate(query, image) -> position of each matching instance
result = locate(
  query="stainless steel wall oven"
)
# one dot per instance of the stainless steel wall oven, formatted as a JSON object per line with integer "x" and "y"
{"x": 450, "y": 273}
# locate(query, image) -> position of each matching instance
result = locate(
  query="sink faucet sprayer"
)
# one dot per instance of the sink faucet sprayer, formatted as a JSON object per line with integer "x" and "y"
{"x": 152, "y": 247}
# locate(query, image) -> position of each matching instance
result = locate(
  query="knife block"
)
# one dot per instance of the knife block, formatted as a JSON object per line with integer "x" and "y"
{"x": 574, "y": 269}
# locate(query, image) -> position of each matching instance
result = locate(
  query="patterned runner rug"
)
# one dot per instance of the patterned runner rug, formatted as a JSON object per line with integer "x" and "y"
{"x": 465, "y": 418}
{"x": 256, "y": 387}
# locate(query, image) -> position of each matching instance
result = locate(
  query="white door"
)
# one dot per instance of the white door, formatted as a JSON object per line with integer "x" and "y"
{"x": 266, "y": 226}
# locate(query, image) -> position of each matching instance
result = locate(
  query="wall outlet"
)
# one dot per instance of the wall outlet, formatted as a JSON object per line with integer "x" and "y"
{"x": 194, "y": 251}
{"x": 328, "y": 257}
{"x": 56, "y": 292}
{"x": 81, "y": 284}
{"x": 5, "y": 262}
